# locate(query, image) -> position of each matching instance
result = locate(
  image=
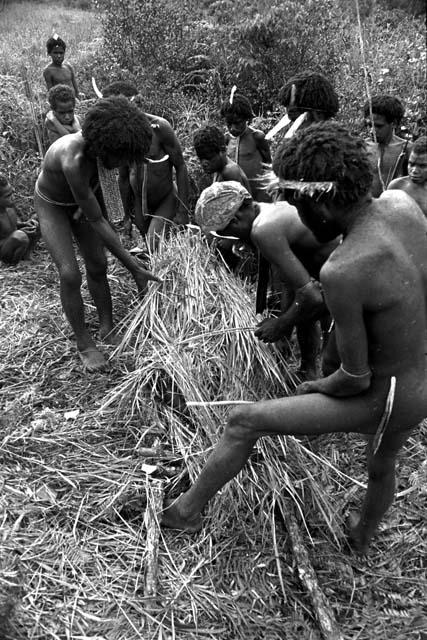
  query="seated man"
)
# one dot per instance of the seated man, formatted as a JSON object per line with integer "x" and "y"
{"x": 114, "y": 133}
{"x": 149, "y": 186}
{"x": 15, "y": 237}
{"x": 388, "y": 152}
{"x": 288, "y": 246}
{"x": 61, "y": 119}
{"x": 375, "y": 286}
{"x": 415, "y": 183}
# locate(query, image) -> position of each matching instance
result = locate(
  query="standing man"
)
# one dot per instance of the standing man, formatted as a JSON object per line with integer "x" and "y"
{"x": 375, "y": 286}
{"x": 114, "y": 133}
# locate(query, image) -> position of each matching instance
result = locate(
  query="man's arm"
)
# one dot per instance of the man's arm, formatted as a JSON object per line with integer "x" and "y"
{"x": 232, "y": 171}
{"x": 48, "y": 78}
{"x": 262, "y": 146}
{"x": 308, "y": 303}
{"x": 171, "y": 145}
{"x": 74, "y": 82}
{"x": 342, "y": 292}
{"x": 91, "y": 208}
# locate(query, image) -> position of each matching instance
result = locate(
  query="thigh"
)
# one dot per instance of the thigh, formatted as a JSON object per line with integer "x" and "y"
{"x": 90, "y": 244}
{"x": 313, "y": 414}
{"x": 164, "y": 211}
{"x": 55, "y": 227}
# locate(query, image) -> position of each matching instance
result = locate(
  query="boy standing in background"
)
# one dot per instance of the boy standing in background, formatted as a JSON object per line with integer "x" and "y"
{"x": 58, "y": 71}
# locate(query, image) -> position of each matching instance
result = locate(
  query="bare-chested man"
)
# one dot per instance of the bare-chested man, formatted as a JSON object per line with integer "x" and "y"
{"x": 375, "y": 285}
{"x": 276, "y": 230}
{"x": 415, "y": 183}
{"x": 150, "y": 185}
{"x": 58, "y": 71}
{"x": 389, "y": 154}
{"x": 114, "y": 133}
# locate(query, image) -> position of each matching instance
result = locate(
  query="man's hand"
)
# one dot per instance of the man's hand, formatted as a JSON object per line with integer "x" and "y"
{"x": 141, "y": 277}
{"x": 271, "y": 330}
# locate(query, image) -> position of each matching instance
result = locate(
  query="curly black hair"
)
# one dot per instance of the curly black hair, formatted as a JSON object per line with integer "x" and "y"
{"x": 115, "y": 126}
{"x": 312, "y": 92}
{"x": 208, "y": 138}
{"x": 120, "y": 88}
{"x": 55, "y": 41}
{"x": 240, "y": 107}
{"x": 420, "y": 145}
{"x": 326, "y": 152}
{"x": 3, "y": 182}
{"x": 385, "y": 105}
{"x": 60, "y": 93}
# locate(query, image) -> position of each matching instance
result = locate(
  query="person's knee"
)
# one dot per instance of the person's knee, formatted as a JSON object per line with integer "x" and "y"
{"x": 240, "y": 425}
{"x": 97, "y": 269}
{"x": 70, "y": 277}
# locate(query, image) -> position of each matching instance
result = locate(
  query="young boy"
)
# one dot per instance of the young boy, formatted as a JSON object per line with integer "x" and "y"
{"x": 415, "y": 183}
{"x": 375, "y": 286}
{"x": 210, "y": 146}
{"x": 389, "y": 154}
{"x": 150, "y": 185}
{"x": 288, "y": 246}
{"x": 15, "y": 237}
{"x": 245, "y": 145}
{"x": 58, "y": 71}
{"x": 114, "y": 133}
{"x": 61, "y": 119}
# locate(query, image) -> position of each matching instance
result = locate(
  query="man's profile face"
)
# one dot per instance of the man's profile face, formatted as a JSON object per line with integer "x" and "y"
{"x": 64, "y": 111}
{"x": 383, "y": 129}
{"x": 57, "y": 54}
{"x": 241, "y": 225}
{"x": 317, "y": 217}
{"x": 211, "y": 160}
{"x": 417, "y": 167}
{"x": 236, "y": 125}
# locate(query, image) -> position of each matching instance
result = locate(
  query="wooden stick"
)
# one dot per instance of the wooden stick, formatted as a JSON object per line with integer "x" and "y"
{"x": 217, "y": 403}
{"x": 152, "y": 523}
{"x": 322, "y": 609}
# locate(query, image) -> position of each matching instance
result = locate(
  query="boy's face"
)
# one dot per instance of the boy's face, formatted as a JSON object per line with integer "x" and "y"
{"x": 64, "y": 111}
{"x": 57, "y": 54}
{"x": 211, "y": 160}
{"x": 236, "y": 125}
{"x": 417, "y": 167}
{"x": 6, "y": 196}
{"x": 383, "y": 129}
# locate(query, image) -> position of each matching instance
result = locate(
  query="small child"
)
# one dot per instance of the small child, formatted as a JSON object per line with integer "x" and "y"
{"x": 415, "y": 183}
{"x": 245, "y": 145}
{"x": 389, "y": 155}
{"x": 209, "y": 143}
{"x": 58, "y": 71}
{"x": 15, "y": 243}
{"x": 61, "y": 120}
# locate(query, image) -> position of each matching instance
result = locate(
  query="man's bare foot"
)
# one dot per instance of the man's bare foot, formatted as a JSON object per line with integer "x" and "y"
{"x": 92, "y": 359}
{"x": 172, "y": 518}
{"x": 109, "y": 336}
{"x": 353, "y": 534}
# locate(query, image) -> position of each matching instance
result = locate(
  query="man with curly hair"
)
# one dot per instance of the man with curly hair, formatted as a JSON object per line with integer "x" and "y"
{"x": 311, "y": 93}
{"x": 149, "y": 187}
{"x": 388, "y": 152}
{"x": 210, "y": 147}
{"x": 61, "y": 119}
{"x": 245, "y": 145}
{"x": 114, "y": 133}
{"x": 415, "y": 183}
{"x": 375, "y": 286}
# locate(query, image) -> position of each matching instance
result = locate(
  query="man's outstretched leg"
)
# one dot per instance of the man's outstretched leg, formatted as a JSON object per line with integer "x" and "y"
{"x": 380, "y": 492}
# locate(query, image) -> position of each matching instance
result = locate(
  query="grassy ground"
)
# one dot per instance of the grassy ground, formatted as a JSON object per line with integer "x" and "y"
{"x": 75, "y": 475}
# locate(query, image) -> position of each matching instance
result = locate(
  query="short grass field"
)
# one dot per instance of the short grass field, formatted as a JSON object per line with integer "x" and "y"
{"x": 86, "y": 459}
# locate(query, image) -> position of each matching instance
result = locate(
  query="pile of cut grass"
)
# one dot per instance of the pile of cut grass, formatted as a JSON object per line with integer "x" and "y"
{"x": 74, "y": 482}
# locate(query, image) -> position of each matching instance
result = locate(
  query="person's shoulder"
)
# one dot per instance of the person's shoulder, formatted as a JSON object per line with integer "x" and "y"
{"x": 257, "y": 133}
{"x": 398, "y": 183}
{"x": 47, "y": 70}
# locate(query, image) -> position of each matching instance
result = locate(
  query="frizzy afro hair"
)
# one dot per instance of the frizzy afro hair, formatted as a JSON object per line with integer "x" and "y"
{"x": 4, "y": 182}
{"x": 420, "y": 145}
{"x": 326, "y": 152}
{"x": 312, "y": 92}
{"x": 55, "y": 41}
{"x": 120, "y": 87}
{"x": 240, "y": 107}
{"x": 115, "y": 126}
{"x": 385, "y": 105}
{"x": 60, "y": 93}
{"x": 208, "y": 138}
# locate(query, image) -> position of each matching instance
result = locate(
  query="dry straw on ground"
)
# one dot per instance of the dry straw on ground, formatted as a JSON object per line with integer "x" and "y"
{"x": 73, "y": 554}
